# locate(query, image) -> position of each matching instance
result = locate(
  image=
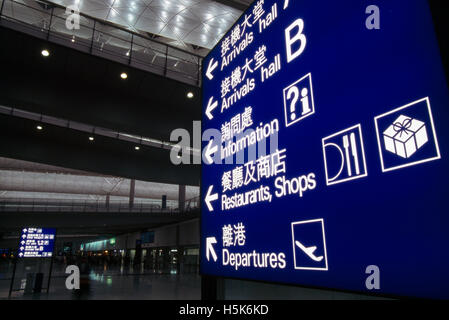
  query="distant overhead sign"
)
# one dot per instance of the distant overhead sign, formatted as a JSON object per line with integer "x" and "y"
{"x": 36, "y": 243}
{"x": 326, "y": 127}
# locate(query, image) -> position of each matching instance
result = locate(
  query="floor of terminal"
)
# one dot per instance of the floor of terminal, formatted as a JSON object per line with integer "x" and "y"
{"x": 112, "y": 283}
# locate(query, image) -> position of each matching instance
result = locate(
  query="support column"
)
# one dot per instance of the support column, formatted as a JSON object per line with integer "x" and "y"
{"x": 182, "y": 198}
{"x": 132, "y": 188}
{"x": 107, "y": 201}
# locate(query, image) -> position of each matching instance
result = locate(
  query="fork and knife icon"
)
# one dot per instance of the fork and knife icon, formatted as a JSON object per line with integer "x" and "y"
{"x": 344, "y": 156}
{"x": 349, "y": 143}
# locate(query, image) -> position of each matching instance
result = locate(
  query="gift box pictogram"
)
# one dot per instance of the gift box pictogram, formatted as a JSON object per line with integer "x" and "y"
{"x": 405, "y": 136}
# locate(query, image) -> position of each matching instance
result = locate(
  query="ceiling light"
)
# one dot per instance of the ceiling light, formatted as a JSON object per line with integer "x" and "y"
{"x": 39, "y": 127}
{"x": 190, "y": 95}
{"x": 127, "y": 54}
{"x": 124, "y": 75}
{"x": 91, "y": 138}
{"x": 73, "y": 38}
{"x": 45, "y": 53}
{"x": 137, "y": 147}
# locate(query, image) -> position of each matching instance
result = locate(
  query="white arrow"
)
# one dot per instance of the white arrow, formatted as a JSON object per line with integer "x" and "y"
{"x": 210, "y": 248}
{"x": 23, "y": 242}
{"x": 211, "y": 106}
{"x": 209, "y": 151}
{"x": 211, "y": 67}
{"x": 24, "y": 236}
{"x": 210, "y": 197}
{"x": 24, "y": 230}
{"x": 20, "y": 254}
{"x": 21, "y": 248}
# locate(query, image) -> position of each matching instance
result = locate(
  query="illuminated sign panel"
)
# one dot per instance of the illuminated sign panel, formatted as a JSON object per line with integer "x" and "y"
{"x": 325, "y": 137}
{"x": 36, "y": 243}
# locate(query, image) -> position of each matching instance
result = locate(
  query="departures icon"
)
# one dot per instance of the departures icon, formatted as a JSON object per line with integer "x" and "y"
{"x": 344, "y": 156}
{"x": 309, "y": 245}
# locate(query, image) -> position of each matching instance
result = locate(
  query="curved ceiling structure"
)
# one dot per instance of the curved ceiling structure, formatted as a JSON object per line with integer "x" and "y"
{"x": 184, "y": 22}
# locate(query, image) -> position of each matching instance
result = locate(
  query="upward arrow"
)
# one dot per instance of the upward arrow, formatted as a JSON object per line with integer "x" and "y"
{"x": 211, "y": 67}
{"x": 210, "y": 248}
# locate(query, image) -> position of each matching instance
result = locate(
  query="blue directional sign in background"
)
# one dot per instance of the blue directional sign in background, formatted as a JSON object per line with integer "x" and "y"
{"x": 36, "y": 243}
{"x": 325, "y": 137}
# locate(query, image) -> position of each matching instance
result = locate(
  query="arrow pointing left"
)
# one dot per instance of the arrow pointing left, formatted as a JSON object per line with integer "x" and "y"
{"x": 211, "y": 106}
{"x": 210, "y": 241}
{"x": 209, "y": 151}
{"x": 210, "y": 197}
{"x": 211, "y": 67}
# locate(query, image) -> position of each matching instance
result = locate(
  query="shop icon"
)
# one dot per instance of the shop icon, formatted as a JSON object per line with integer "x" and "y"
{"x": 344, "y": 156}
{"x": 298, "y": 100}
{"x": 406, "y": 136}
{"x": 309, "y": 245}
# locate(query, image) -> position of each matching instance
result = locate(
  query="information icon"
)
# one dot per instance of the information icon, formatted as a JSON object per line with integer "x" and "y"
{"x": 298, "y": 100}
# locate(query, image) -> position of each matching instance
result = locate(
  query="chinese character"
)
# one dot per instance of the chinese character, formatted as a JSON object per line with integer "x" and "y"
{"x": 250, "y": 172}
{"x": 247, "y": 67}
{"x": 235, "y": 35}
{"x": 246, "y": 23}
{"x": 235, "y": 125}
{"x": 258, "y": 10}
{"x": 225, "y": 84}
{"x": 225, "y": 46}
{"x": 246, "y": 118}
{"x": 236, "y": 77}
{"x": 225, "y": 131}
{"x": 278, "y": 162}
{"x": 226, "y": 181}
{"x": 263, "y": 167}
{"x": 239, "y": 233}
{"x": 228, "y": 236}
{"x": 259, "y": 56}
{"x": 237, "y": 177}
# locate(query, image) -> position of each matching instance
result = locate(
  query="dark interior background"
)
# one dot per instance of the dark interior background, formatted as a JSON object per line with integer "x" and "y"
{"x": 77, "y": 86}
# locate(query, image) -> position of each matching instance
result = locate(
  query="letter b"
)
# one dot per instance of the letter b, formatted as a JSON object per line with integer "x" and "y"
{"x": 291, "y": 40}
{"x": 73, "y": 280}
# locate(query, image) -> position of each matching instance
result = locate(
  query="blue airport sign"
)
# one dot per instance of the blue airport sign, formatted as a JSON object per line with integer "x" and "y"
{"x": 36, "y": 243}
{"x": 325, "y": 128}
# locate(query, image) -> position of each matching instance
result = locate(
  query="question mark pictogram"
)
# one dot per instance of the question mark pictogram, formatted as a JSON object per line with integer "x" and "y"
{"x": 295, "y": 92}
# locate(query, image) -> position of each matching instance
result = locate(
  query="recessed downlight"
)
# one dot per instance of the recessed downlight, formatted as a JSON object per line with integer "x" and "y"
{"x": 190, "y": 95}
{"x": 124, "y": 76}
{"x": 45, "y": 53}
{"x": 137, "y": 147}
{"x": 39, "y": 127}
{"x": 91, "y": 138}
